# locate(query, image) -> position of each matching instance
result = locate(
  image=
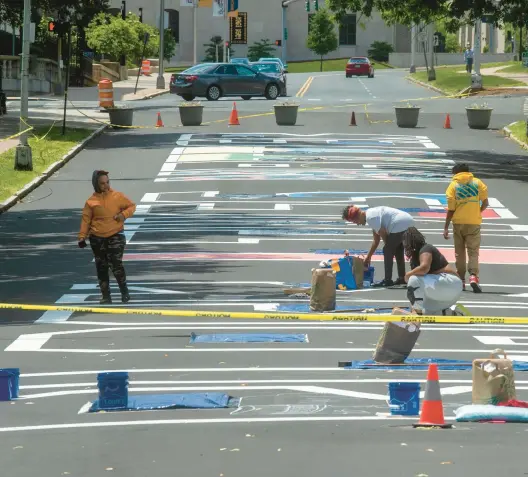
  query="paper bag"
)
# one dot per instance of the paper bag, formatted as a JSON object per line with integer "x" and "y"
{"x": 396, "y": 342}
{"x": 323, "y": 293}
{"x": 493, "y": 379}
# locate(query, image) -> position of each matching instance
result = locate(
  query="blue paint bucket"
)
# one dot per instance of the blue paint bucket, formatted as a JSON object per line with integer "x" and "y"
{"x": 113, "y": 390}
{"x": 404, "y": 399}
{"x": 9, "y": 383}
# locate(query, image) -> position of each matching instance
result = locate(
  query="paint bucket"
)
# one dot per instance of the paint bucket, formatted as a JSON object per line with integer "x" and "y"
{"x": 368, "y": 277}
{"x": 404, "y": 399}
{"x": 113, "y": 390}
{"x": 9, "y": 379}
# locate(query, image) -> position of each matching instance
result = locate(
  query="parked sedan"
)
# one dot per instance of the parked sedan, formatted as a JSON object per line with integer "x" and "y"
{"x": 359, "y": 66}
{"x": 214, "y": 80}
{"x": 271, "y": 69}
{"x": 284, "y": 66}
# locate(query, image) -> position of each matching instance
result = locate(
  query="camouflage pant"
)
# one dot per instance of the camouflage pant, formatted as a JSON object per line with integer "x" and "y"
{"x": 108, "y": 253}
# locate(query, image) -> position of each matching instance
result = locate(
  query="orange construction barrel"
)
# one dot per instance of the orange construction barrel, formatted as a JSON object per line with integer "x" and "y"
{"x": 145, "y": 67}
{"x": 106, "y": 93}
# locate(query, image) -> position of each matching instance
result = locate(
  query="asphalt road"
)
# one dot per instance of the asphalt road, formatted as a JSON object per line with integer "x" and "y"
{"x": 210, "y": 200}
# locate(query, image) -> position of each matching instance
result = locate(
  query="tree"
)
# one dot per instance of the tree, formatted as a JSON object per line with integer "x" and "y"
{"x": 322, "y": 38}
{"x": 408, "y": 12}
{"x": 261, "y": 49}
{"x": 211, "y": 47}
{"x": 112, "y": 36}
{"x": 169, "y": 44}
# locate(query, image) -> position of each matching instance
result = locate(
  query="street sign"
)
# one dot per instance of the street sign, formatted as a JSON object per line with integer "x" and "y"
{"x": 422, "y": 36}
{"x": 436, "y": 40}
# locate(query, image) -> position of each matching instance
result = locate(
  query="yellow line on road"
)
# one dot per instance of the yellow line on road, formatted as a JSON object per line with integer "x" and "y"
{"x": 304, "y": 87}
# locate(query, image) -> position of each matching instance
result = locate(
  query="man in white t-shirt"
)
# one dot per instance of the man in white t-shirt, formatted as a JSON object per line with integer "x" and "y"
{"x": 389, "y": 225}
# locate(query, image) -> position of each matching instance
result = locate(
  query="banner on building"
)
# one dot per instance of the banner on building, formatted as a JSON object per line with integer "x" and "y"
{"x": 205, "y": 3}
{"x": 218, "y": 8}
{"x": 232, "y": 8}
{"x": 238, "y": 29}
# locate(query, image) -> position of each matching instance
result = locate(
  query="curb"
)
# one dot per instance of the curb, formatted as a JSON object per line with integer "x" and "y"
{"x": 150, "y": 96}
{"x": 14, "y": 199}
{"x": 510, "y": 135}
{"x": 425, "y": 85}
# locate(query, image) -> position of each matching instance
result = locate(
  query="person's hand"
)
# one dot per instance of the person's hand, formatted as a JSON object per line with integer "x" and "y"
{"x": 406, "y": 277}
{"x": 81, "y": 243}
{"x": 366, "y": 262}
{"x": 119, "y": 217}
{"x": 446, "y": 233}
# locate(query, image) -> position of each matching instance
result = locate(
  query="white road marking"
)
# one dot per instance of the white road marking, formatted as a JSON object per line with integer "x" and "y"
{"x": 282, "y": 207}
{"x": 54, "y": 317}
{"x": 370, "y": 166}
{"x": 33, "y": 342}
{"x": 150, "y": 197}
{"x": 211, "y": 193}
{"x": 206, "y": 206}
{"x": 169, "y": 167}
{"x": 248, "y": 240}
{"x": 184, "y": 139}
{"x": 262, "y": 166}
{"x": 230, "y": 421}
{"x": 494, "y": 203}
{"x": 495, "y": 340}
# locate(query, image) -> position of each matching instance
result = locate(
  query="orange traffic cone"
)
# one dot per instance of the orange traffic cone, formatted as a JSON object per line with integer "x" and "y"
{"x": 447, "y": 123}
{"x": 233, "y": 119}
{"x": 353, "y": 119}
{"x": 432, "y": 408}
{"x": 159, "y": 122}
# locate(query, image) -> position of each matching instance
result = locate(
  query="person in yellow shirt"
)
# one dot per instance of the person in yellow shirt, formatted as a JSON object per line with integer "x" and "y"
{"x": 103, "y": 219}
{"x": 467, "y": 198}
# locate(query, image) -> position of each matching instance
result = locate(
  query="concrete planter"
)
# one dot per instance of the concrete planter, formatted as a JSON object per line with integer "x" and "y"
{"x": 286, "y": 115}
{"x": 191, "y": 115}
{"x": 407, "y": 117}
{"x": 121, "y": 117}
{"x": 479, "y": 118}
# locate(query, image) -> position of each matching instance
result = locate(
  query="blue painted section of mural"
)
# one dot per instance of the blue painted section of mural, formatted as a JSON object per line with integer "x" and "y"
{"x": 337, "y": 195}
{"x": 328, "y": 251}
{"x": 305, "y": 308}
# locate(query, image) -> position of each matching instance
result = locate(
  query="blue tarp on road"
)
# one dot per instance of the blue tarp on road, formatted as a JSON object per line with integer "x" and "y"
{"x": 305, "y": 308}
{"x": 249, "y": 338}
{"x": 419, "y": 364}
{"x": 151, "y": 402}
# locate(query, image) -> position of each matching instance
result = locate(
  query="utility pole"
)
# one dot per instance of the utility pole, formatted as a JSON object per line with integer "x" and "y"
{"x": 413, "y": 49}
{"x": 284, "y": 31}
{"x": 67, "y": 80}
{"x": 226, "y": 16}
{"x": 23, "y": 155}
{"x": 123, "y": 16}
{"x": 195, "y": 32}
{"x": 160, "y": 81}
{"x": 476, "y": 78}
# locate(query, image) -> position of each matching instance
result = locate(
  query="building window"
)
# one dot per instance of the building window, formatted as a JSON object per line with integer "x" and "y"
{"x": 310, "y": 19}
{"x": 174, "y": 24}
{"x": 347, "y": 30}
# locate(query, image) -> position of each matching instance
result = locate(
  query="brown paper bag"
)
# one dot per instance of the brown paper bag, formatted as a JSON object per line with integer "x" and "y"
{"x": 358, "y": 270}
{"x": 493, "y": 379}
{"x": 323, "y": 293}
{"x": 396, "y": 342}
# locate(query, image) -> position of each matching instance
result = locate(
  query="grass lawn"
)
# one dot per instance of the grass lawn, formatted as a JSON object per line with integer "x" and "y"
{"x": 515, "y": 67}
{"x": 176, "y": 69}
{"x": 519, "y": 131}
{"x": 449, "y": 80}
{"x": 45, "y": 152}
{"x": 328, "y": 65}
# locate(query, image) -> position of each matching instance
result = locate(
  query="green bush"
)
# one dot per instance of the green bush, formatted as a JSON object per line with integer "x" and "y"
{"x": 379, "y": 51}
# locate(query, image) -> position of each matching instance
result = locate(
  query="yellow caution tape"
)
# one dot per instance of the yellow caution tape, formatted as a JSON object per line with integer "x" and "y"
{"x": 14, "y": 136}
{"x": 461, "y": 320}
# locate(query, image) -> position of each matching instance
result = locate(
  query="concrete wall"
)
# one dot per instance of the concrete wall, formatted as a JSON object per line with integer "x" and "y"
{"x": 264, "y": 21}
{"x": 403, "y": 60}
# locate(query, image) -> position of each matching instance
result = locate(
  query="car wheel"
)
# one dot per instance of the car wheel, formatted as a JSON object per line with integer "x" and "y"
{"x": 246, "y": 98}
{"x": 348, "y": 76}
{"x": 188, "y": 97}
{"x": 213, "y": 93}
{"x": 272, "y": 91}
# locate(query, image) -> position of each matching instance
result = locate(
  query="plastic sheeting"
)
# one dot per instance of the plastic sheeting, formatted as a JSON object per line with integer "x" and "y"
{"x": 305, "y": 308}
{"x": 488, "y": 412}
{"x": 419, "y": 364}
{"x": 249, "y": 338}
{"x": 151, "y": 402}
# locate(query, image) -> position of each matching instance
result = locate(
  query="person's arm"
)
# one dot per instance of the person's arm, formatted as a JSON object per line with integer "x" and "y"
{"x": 383, "y": 234}
{"x": 375, "y": 242}
{"x": 483, "y": 196}
{"x": 127, "y": 208}
{"x": 451, "y": 207}
{"x": 426, "y": 259}
{"x": 86, "y": 221}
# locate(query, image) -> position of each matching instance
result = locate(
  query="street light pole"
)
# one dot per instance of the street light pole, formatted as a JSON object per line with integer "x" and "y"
{"x": 476, "y": 78}
{"x": 160, "y": 81}
{"x": 23, "y": 155}
{"x": 413, "y": 49}
{"x": 195, "y": 32}
{"x": 226, "y": 14}
{"x": 431, "y": 75}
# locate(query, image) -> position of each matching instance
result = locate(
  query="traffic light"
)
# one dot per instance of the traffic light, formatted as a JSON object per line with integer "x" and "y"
{"x": 316, "y": 5}
{"x": 278, "y": 42}
{"x": 307, "y": 4}
{"x": 51, "y": 26}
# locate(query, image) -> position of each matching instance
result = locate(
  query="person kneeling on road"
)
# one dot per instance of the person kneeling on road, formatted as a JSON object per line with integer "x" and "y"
{"x": 433, "y": 285}
{"x": 388, "y": 224}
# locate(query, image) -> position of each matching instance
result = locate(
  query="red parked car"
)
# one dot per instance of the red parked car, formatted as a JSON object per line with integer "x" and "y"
{"x": 359, "y": 66}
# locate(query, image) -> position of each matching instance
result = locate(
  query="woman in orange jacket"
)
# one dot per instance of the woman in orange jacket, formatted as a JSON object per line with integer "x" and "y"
{"x": 103, "y": 219}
